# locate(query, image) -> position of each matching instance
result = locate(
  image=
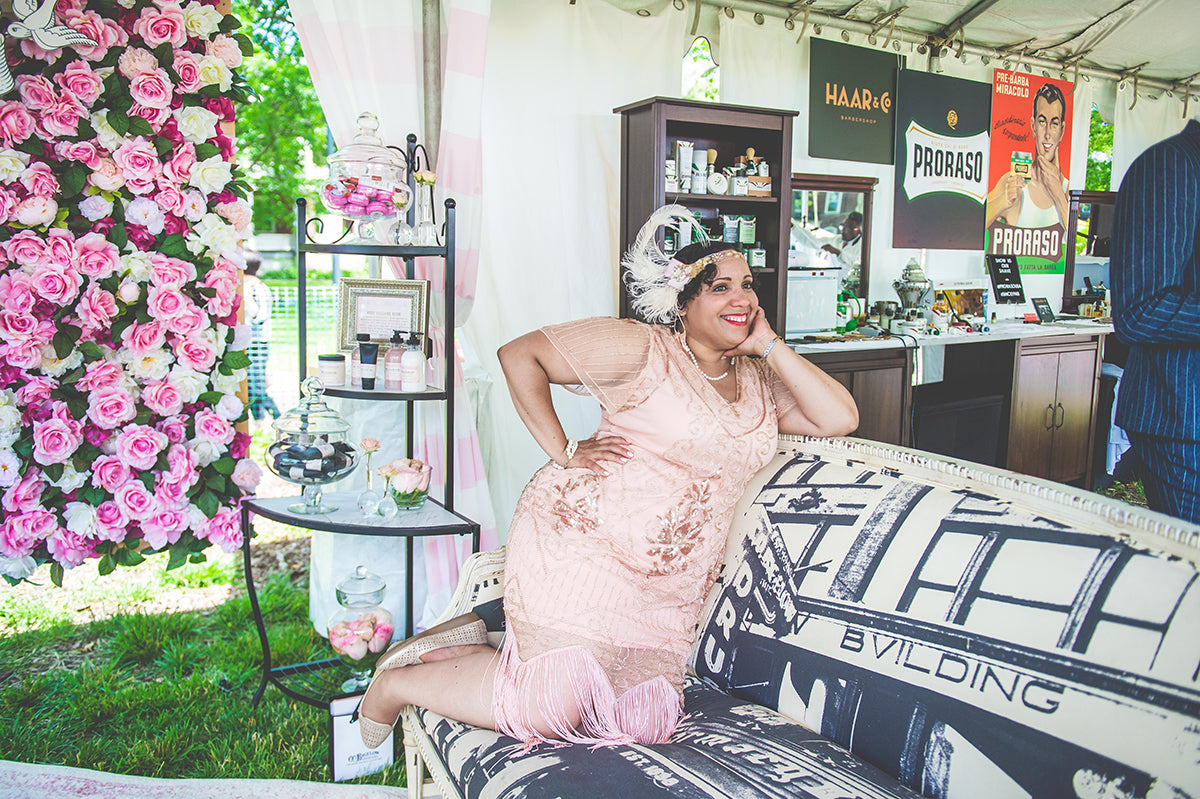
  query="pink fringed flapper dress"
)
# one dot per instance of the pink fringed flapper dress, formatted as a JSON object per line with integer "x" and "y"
{"x": 606, "y": 576}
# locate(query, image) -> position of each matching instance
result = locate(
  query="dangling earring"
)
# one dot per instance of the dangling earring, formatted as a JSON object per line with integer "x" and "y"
{"x": 678, "y": 324}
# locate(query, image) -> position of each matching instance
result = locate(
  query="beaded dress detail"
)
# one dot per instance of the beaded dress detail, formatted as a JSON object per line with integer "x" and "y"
{"x": 606, "y": 576}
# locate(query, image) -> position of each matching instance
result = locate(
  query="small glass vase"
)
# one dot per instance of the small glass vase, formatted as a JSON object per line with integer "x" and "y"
{"x": 426, "y": 232}
{"x": 410, "y": 500}
{"x": 362, "y": 629}
{"x": 369, "y": 499}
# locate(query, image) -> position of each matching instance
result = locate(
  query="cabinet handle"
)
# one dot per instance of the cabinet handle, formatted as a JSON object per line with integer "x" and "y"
{"x": 1049, "y": 417}
{"x": 1061, "y": 418}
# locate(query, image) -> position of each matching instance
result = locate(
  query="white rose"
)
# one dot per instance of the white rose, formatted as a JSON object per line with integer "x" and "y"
{"x": 207, "y": 452}
{"x": 53, "y": 367}
{"x": 213, "y": 70}
{"x": 189, "y": 383}
{"x": 95, "y": 207}
{"x": 200, "y": 20}
{"x": 10, "y": 418}
{"x": 10, "y": 468}
{"x": 129, "y": 291}
{"x": 228, "y": 384}
{"x": 211, "y": 175}
{"x": 36, "y": 211}
{"x": 230, "y": 407}
{"x": 196, "y": 123}
{"x": 241, "y": 337}
{"x": 195, "y": 518}
{"x": 71, "y": 479}
{"x": 214, "y": 234}
{"x": 137, "y": 265}
{"x": 246, "y": 475}
{"x": 12, "y": 164}
{"x": 109, "y": 139}
{"x": 148, "y": 366}
{"x": 80, "y": 518}
{"x": 17, "y": 568}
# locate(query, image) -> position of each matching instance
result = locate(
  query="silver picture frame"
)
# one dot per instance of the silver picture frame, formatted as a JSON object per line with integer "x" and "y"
{"x": 379, "y": 307}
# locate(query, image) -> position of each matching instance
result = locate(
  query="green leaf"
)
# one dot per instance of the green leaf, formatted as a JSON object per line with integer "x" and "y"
{"x": 54, "y": 471}
{"x": 118, "y": 121}
{"x": 229, "y": 24}
{"x": 139, "y": 126}
{"x": 92, "y": 495}
{"x": 81, "y": 462}
{"x": 197, "y": 557}
{"x": 179, "y": 556}
{"x": 56, "y": 574}
{"x": 237, "y": 359}
{"x": 78, "y": 409}
{"x": 244, "y": 44}
{"x": 206, "y": 150}
{"x": 106, "y": 565}
{"x": 165, "y": 53}
{"x": 118, "y": 236}
{"x": 147, "y": 479}
{"x": 85, "y": 131}
{"x": 62, "y": 345}
{"x": 208, "y": 503}
{"x": 32, "y": 146}
{"x": 127, "y": 557}
{"x": 72, "y": 178}
{"x": 91, "y": 351}
{"x": 210, "y": 397}
{"x": 163, "y": 147}
{"x": 24, "y": 447}
{"x": 224, "y": 465}
{"x": 142, "y": 314}
{"x": 217, "y": 483}
{"x": 175, "y": 246}
{"x": 72, "y": 377}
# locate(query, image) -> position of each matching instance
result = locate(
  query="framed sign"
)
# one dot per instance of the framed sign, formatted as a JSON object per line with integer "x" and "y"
{"x": 1006, "y": 278}
{"x": 348, "y": 757}
{"x": 379, "y": 307}
{"x": 1042, "y": 306}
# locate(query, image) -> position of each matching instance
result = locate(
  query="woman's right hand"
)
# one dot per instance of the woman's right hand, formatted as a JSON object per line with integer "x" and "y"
{"x": 592, "y": 453}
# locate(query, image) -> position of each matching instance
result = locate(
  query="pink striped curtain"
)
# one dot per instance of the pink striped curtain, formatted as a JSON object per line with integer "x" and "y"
{"x": 367, "y": 55}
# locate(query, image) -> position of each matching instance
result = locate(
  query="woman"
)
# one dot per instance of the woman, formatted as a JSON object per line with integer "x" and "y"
{"x": 616, "y": 541}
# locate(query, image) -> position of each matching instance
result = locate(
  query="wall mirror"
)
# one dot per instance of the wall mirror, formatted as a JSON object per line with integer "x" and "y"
{"x": 831, "y": 227}
{"x": 1089, "y": 237}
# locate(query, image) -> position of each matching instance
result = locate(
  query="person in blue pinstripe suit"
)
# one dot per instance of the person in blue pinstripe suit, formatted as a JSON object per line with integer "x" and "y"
{"x": 1155, "y": 266}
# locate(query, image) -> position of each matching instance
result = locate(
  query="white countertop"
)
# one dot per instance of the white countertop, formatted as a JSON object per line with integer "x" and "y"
{"x": 1000, "y": 331}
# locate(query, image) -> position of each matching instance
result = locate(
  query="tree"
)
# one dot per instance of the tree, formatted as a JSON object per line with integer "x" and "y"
{"x": 283, "y": 128}
{"x": 1100, "y": 144}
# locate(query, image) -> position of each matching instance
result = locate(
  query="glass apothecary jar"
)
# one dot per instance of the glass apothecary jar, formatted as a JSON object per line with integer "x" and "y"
{"x": 368, "y": 184}
{"x": 361, "y": 629}
{"x": 310, "y": 448}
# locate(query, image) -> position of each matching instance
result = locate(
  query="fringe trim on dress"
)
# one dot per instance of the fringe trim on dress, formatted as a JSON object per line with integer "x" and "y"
{"x": 645, "y": 714}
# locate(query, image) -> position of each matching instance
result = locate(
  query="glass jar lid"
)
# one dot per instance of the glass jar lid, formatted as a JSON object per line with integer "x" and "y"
{"x": 360, "y": 589}
{"x": 367, "y": 146}
{"x": 312, "y": 416}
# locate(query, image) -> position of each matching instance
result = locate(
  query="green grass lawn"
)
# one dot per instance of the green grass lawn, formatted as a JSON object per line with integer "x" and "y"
{"x": 153, "y": 691}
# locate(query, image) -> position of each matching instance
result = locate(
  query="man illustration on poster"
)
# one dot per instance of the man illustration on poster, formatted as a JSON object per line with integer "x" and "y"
{"x": 1035, "y": 195}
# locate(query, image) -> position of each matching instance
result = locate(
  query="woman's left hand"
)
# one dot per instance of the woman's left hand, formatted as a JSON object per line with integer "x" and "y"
{"x": 757, "y": 339}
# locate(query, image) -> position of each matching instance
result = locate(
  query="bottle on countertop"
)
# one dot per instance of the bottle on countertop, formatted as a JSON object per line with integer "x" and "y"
{"x": 412, "y": 366}
{"x": 355, "y": 369}
{"x": 392, "y": 370}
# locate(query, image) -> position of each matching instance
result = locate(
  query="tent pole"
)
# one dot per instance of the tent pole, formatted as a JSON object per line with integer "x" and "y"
{"x": 431, "y": 67}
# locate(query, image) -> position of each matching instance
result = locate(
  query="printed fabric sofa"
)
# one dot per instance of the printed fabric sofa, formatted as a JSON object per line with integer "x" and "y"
{"x": 890, "y": 623}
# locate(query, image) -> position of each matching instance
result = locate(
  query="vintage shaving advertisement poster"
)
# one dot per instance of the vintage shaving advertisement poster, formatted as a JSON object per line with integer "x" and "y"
{"x": 941, "y": 161}
{"x": 1027, "y": 205}
{"x": 852, "y": 94}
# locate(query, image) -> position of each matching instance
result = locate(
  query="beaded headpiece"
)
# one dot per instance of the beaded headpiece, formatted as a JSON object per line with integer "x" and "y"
{"x": 655, "y": 280}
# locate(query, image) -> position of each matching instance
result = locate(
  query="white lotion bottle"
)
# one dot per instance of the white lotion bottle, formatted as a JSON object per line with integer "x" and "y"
{"x": 393, "y": 371}
{"x": 412, "y": 367}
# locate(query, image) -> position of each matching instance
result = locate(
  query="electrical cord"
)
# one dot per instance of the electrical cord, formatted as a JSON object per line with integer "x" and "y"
{"x": 912, "y": 406}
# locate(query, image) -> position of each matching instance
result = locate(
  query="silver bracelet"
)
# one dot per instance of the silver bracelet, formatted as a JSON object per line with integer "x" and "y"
{"x": 569, "y": 452}
{"x": 769, "y": 347}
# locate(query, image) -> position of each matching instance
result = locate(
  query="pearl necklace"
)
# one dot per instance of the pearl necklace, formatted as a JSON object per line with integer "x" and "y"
{"x": 705, "y": 375}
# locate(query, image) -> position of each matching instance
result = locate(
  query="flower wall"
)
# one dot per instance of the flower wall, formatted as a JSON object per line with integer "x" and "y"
{"x": 121, "y": 216}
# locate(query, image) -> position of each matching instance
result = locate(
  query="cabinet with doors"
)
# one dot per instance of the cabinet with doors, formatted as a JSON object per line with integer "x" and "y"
{"x": 317, "y": 682}
{"x": 650, "y": 130}
{"x": 1052, "y": 421}
{"x": 881, "y": 383}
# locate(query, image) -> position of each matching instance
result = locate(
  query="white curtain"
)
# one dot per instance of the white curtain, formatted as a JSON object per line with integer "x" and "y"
{"x": 1147, "y": 123}
{"x": 368, "y": 55}
{"x": 551, "y": 177}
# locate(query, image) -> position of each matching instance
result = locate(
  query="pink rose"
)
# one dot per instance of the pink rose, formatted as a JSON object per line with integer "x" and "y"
{"x": 20, "y": 535}
{"x": 240, "y": 445}
{"x": 25, "y": 495}
{"x": 237, "y": 214}
{"x": 140, "y": 237}
{"x": 246, "y": 475}
{"x": 111, "y": 407}
{"x": 15, "y": 123}
{"x": 134, "y": 61}
{"x": 100, "y": 374}
{"x": 84, "y": 151}
{"x": 55, "y": 440}
{"x": 153, "y": 114}
{"x": 26, "y": 248}
{"x": 162, "y": 398}
{"x": 224, "y": 529}
{"x": 97, "y": 257}
{"x": 135, "y": 501}
{"x": 81, "y": 81}
{"x": 168, "y": 271}
{"x": 187, "y": 67}
{"x": 189, "y": 321}
{"x": 60, "y": 247}
{"x": 179, "y": 169}
{"x": 62, "y": 118}
{"x": 23, "y": 355}
{"x": 181, "y": 466}
{"x": 36, "y": 390}
{"x": 138, "y": 446}
{"x": 20, "y": 327}
{"x": 8, "y": 205}
{"x": 69, "y": 548}
{"x": 138, "y": 163}
{"x": 56, "y": 284}
{"x": 38, "y": 179}
{"x": 166, "y": 302}
{"x": 35, "y": 91}
{"x": 105, "y": 32}
{"x": 36, "y": 211}
{"x": 158, "y": 26}
{"x": 195, "y": 353}
{"x": 226, "y": 49}
{"x": 96, "y": 308}
{"x": 152, "y": 89}
{"x": 212, "y": 427}
{"x": 222, "y": 107}
{"x": 16, "y": 294}
{"x": 169, "y": 199}
{"x": 143, "y": 338}
{"x": 174, "y": 428}
{"x": 164, "y": 528}
{"x": 106, "y": 175}
{"x": 111, "y": 522}
{"x": 109, "y": 473}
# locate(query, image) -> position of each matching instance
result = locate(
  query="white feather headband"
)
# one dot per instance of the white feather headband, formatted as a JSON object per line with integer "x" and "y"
{"x": 654, "y": 280}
